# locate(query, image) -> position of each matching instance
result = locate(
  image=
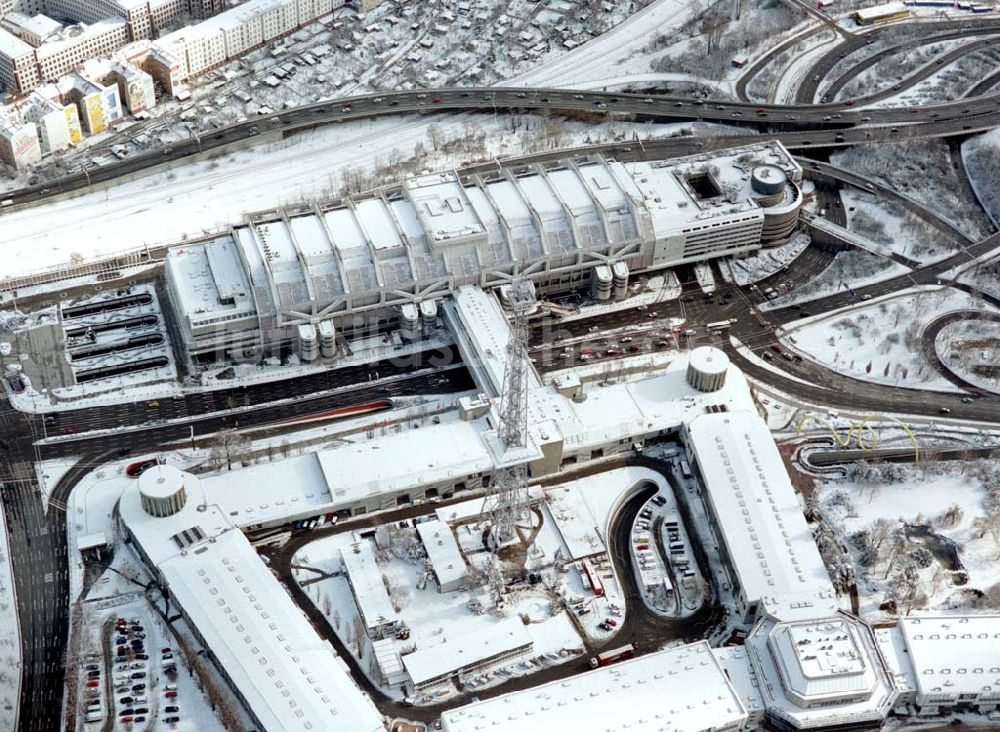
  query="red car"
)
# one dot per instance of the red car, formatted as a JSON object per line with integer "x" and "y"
{"x": 436, "y": 100}
{"x": 170, "y": 694}
{"x": 165, "y": 650}
{"x": 93, "y": 684}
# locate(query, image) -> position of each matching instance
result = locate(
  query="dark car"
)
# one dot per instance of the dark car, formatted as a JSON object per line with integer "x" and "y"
{"x": 171, "y": 709}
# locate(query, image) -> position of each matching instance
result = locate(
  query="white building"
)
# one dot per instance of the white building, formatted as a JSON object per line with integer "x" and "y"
{"x": 369, "y": 590}
{"x": 238, "y": 30}
{"x": 773, "y": 562}
{"x": 285, "y": 676}
{"x": 445, "y": 557}
{"x": 76, "y": 44}
{"x": 956, "y": 661}
{"x": 58, "y": 124}
{"x": 18, "y": 67}
{"x": 357, "y": 263}
{"x": 681, "y": 689}
{"x": 820, "y": 673}
{"x": 455, "y": 655}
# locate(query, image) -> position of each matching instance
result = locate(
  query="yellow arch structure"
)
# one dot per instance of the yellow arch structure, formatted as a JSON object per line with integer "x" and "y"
{"x": 857, "y": 429}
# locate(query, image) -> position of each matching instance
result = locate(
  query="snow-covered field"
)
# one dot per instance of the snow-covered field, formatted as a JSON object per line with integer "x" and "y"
{"x": 881, "y": 341}
{"x": 878, "y": 499}
{"x": 614, "y": 54}
{"x": 890, "y": 229}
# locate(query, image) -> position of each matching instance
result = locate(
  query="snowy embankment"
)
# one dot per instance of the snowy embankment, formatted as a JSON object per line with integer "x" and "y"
{"x": 10, "y": 637}
{"x": 981, "y": 157}
{"x": 881, "y": 342}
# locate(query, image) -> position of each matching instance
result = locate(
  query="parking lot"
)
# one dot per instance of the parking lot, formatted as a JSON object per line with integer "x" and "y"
{"x": 118, "y": 336}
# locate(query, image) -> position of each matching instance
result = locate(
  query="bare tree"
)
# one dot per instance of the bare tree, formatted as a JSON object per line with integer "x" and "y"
{"x": 228, "y": 446}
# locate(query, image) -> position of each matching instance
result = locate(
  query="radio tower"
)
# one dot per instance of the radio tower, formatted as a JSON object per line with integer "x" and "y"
{"x": 507, "y": 495}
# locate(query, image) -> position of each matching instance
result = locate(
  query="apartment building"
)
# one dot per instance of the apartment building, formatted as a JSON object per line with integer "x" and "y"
{"x": 19, "y": 144}
{"x": 99, "y": 105}
{"x": 58, "y": 123}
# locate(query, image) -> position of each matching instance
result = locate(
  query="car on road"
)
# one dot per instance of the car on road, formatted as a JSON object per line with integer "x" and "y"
{"x": 967, "y": 400}
{"x": 944, "y": 410}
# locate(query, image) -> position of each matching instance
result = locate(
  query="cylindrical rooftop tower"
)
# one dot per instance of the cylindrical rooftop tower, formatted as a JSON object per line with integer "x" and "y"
{"x": 161, "y": 489}
{"x": 767, "y": 180}
{"x": 707, "y": 368}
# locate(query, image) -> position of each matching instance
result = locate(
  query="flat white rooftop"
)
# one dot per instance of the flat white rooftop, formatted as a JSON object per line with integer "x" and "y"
{"x": 289, "y": 677}
{"x": 677, "y": 690}
{"x": 455, "y": 653}
{"x": 769, "y": 544}
{"x": 443, "y": 552}
{"x": 955, "y": 655}
{"x": 366, "y": 581}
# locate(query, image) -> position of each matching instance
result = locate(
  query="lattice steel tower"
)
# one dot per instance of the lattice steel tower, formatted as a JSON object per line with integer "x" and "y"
{"x": 507, "y": 495}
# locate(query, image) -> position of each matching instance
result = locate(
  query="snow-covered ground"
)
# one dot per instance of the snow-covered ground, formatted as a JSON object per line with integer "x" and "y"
{"x": 206, "y": 196}
{"x": 10, "y": 637}
{"x": 880, "y": 498}
{"x": 114, "y": 598}
{"x": 922, "y": 170}
{"x": 981, "y": 155}
{"x": 880, "y": 341}
{"x": 891, "y": 230}
{"x": 615, "y": 53}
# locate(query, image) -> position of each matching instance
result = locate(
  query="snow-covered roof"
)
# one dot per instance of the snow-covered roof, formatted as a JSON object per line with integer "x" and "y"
{"x": 12, "y": 46}
{"x": 457, "y": 652}
{"x": 443, "y": 552}
{"x": 483, "y": 334}
{"x": 821, "y": 658}
{"x": 768, "y": 542}
{"x": 366, "y": 581}
{"x": 878, "y": 11}
{"x": 954, "y": 655}
{"x": 75, "y": 34}
{"x": 91, "y": 541}
{"x": 681, "y": 689}
{"x": 820, "y": 672}
{"x": 211, "y": 280}
{"x": 742, "y": 675}
{"x": 39, "y": 25}
{"x": 405, "y": 460}
{"x": 440, "y": 226}
{"x": 892, "y": 645}
{"x": 289, "y": 677}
